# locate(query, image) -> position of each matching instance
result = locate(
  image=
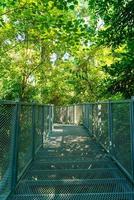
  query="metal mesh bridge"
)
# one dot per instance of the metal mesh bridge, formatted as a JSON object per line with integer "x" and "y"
{"x": 81, "y": 157}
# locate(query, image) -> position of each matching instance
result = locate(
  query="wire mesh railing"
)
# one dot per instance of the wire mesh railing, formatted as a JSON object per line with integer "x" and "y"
{"x": 72, "y": 114}
{"x": 23, "y": 128}
{"x": 111, "y": 123}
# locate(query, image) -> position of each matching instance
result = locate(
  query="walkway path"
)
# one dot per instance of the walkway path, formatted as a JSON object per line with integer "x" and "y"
{"x": 73, "y": 166}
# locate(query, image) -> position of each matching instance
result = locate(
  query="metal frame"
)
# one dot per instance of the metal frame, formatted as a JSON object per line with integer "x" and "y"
{"x": 110, "y": 133}
{"x": 15, "y": 148}
{"x": 132, "y": 134}
{"x": 85, "y": 112}
{"x": 15, "y": 136}
{"x": 33, "y": 131}
{"x": 110, "y": 127}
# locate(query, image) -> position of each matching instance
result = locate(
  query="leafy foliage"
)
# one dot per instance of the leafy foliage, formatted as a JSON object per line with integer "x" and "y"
{"x": 118, "y": 17}
{"x": 121, "y": 74}
{"x": 66, "y": 52}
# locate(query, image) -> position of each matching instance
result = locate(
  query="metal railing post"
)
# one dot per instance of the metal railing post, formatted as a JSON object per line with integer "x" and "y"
{"x": 67, "y": 114}
{"x": 132, "y": 135}
{"x": 110, "y": 127}
{"x": 43, "y": 125}
{"x": 33, "y": 131}
{"x": 88, "y": 116}
{"x": 91, "y": 120}
{"x": 52, "y": 117}
{"x": 83, "y": 113}
{"x": 15, "y": 147}
{"x": 75, "y": 114}
{"x": 97, "y": 122}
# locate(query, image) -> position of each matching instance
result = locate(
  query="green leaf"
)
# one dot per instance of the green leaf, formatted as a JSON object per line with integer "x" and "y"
{"x": 71, "y": 7}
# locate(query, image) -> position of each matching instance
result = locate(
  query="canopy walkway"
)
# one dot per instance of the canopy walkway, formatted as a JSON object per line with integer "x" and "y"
{"x": 86, "y": 154}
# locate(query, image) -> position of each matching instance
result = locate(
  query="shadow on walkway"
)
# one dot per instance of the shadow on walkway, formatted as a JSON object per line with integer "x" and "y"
{"x": 71, "y": 165}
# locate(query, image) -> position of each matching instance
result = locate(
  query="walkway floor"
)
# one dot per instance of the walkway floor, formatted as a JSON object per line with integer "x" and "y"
{"x": 73, "y": 166}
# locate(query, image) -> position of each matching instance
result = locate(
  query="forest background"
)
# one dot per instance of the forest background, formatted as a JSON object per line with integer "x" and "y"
{"x": 65, "y": 52}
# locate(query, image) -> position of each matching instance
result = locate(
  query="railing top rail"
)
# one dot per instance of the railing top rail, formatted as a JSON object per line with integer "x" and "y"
{"x": 78, "y": 104}
{"x": 97, "y": 102}
{"x": 10, "y": 102}
{"x": 4, "y": 102}
{"x": 7, "y": 102}
{"x": 121, "y": 101}
{"x": 34, "y": 103}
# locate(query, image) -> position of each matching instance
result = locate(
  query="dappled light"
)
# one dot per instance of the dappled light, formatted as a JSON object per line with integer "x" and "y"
{"x": 72, "y": 164}
{"x": 89, "y": 157}
{"x": 67, "y": 99}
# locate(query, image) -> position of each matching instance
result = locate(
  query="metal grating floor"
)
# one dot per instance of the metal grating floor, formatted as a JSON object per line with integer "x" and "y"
{"x": 73, "y": 166}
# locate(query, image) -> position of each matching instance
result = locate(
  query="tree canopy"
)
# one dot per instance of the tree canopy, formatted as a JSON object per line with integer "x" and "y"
{"x": 66, "y": 52}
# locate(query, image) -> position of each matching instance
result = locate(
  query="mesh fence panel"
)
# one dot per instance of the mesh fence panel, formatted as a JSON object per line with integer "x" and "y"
{"x": 90, "y": 118}
{"x": 35, "y": 120}
{"x": 79, "y": 114}
{"x": 47, "y": 121}
{"x": 38, "y": 126}
{"x": 87, "y": 116}
{"x": 95, "y": 119}
{"x": 25, "y": 137}
{"x": 50, "y": 118}
{"x": 68, "y": 114}
{"x": 84, "y": 115}
{"x": 51, "y": 108}
{"x": 45, "y": 118}
{"x": 63, "y": 115}
{"x": 21, "y": 128}
{"x": 7, "y": 120}
{"x": 122, "y": 134}
{"x": 57, "y": 114}
{"x": 102, "y": 133}
{"x": 99, "y": 118}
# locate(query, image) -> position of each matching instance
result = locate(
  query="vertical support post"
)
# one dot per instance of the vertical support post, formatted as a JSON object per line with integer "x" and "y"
{"x": 15, "y": 147}
{"x": 91, "y": 119}
{"x": 132, "y": 134}
{"x": 52, "y": 117}
{"x": 49, "y": 119}
{"x": 99, "y": 106}
{"x": 88, "y": 117}
{"x": 97, "y": 121}
{"x": 67, "y": 114}
{"x": 45, "y": 120}
{"x": 110, "y": 127}
{"x": 83, "y": 113}
{"x": 43, "y": 125}
{"x": 33, "y": 131}
{"x": 74, "y": 114}
{"x": 83, "y": 120}
{"x": 85, "y": 116}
